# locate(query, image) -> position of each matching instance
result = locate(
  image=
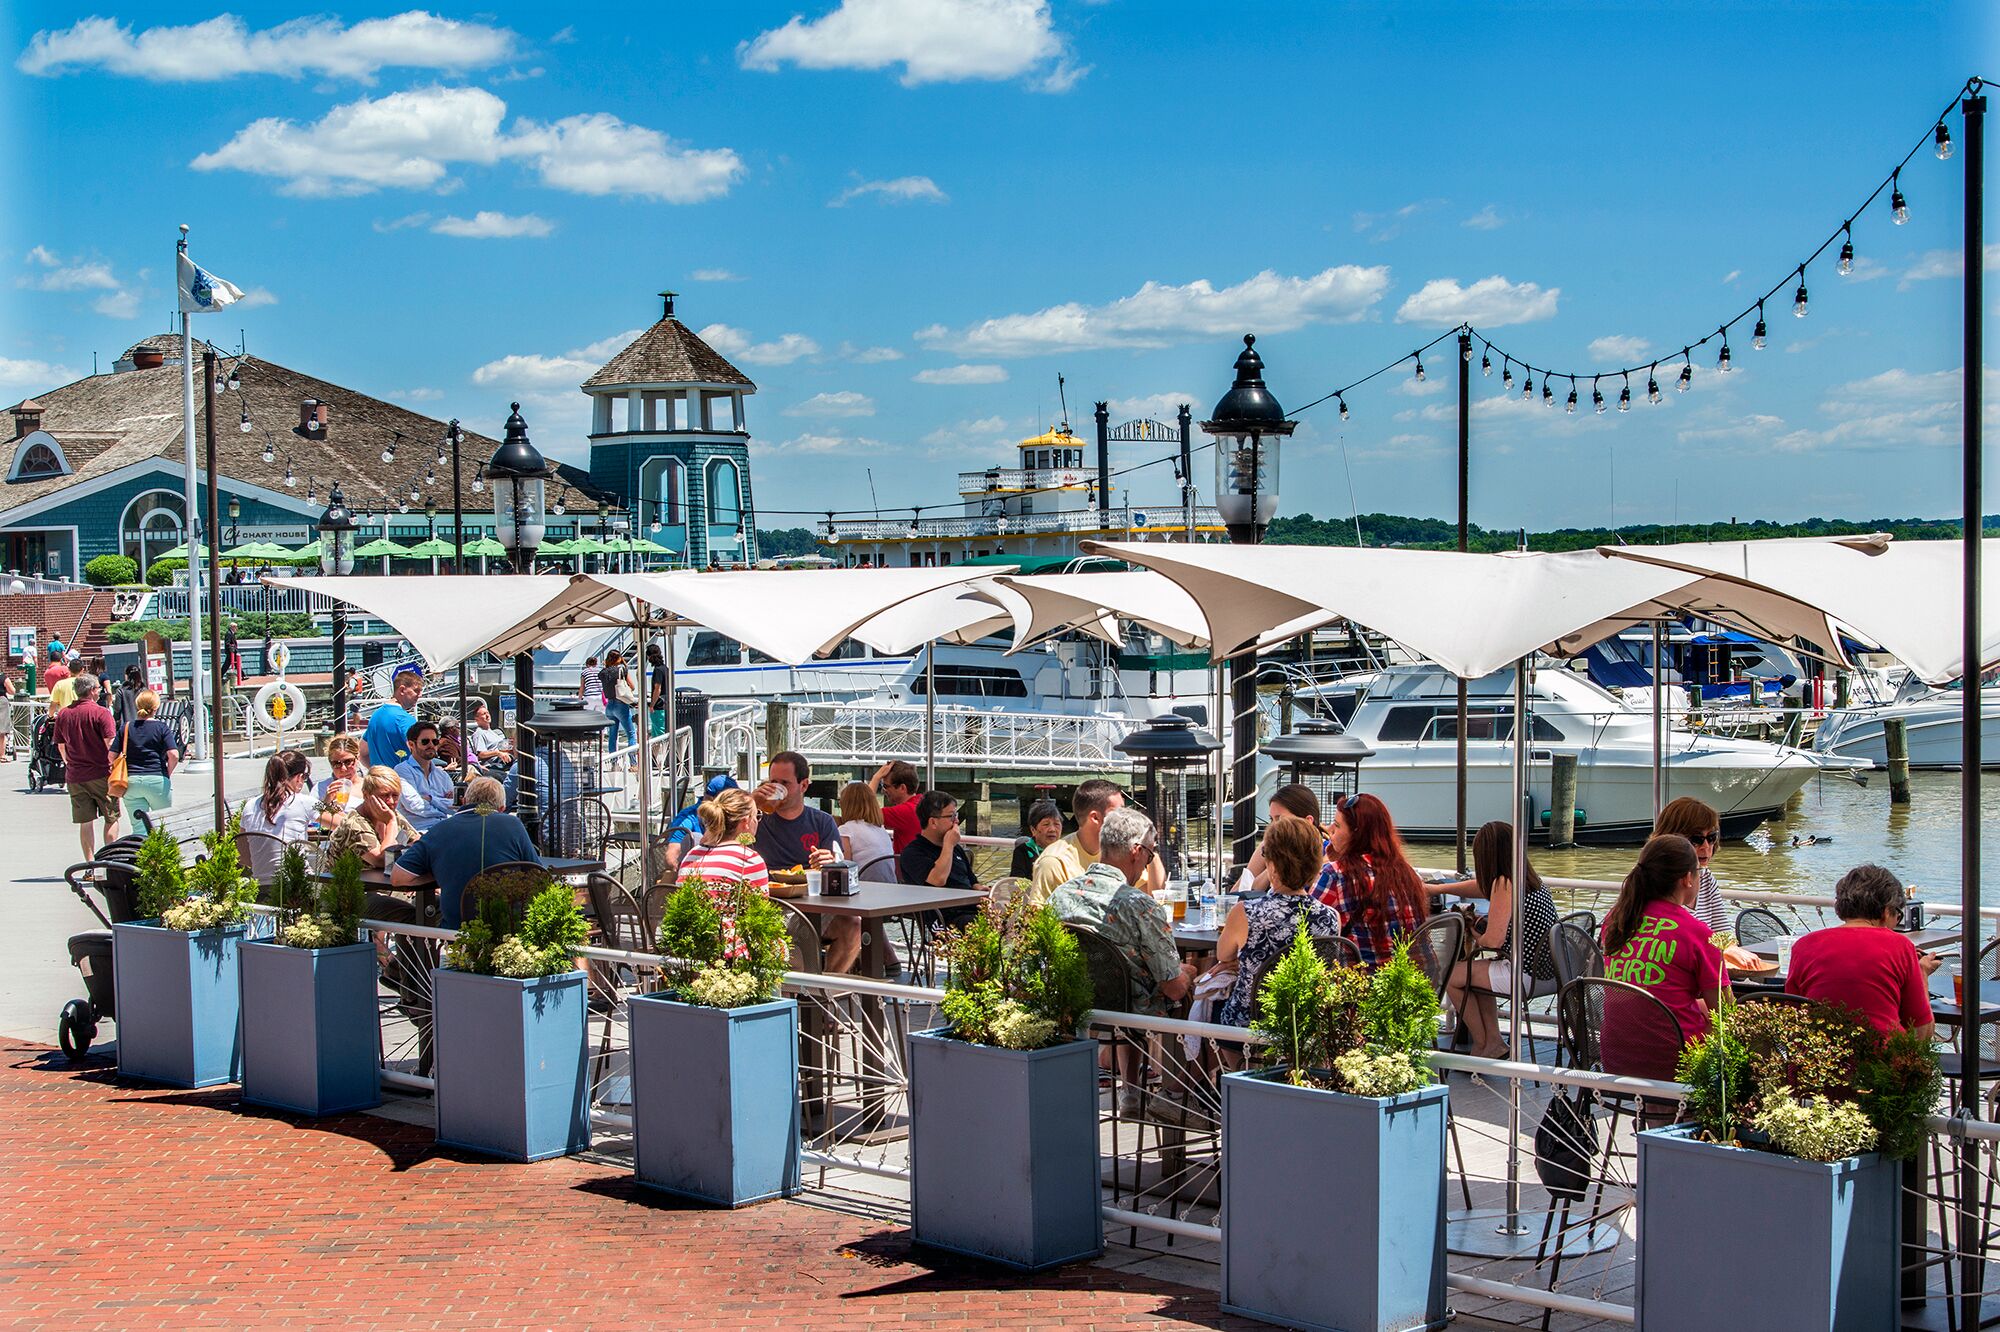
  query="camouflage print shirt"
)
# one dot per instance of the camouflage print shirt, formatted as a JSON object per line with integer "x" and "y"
{"x": 1129, "y": 920}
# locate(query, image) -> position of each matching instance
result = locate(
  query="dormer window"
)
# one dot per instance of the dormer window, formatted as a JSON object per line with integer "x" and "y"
{"x": 37, "y": 457}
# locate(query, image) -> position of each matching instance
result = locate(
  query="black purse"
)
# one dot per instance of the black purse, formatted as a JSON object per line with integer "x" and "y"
{"x": 1565, "y": 1145}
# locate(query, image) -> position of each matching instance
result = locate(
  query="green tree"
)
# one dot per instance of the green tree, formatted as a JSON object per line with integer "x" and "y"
{"x": 111, "y": 571}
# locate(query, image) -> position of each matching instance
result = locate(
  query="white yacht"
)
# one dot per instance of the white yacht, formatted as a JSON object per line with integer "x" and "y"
{"x": 1933, "y": 721}
{"x": 1408, "y": 716}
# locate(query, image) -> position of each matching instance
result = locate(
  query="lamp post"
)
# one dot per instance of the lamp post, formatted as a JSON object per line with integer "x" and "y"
{"x": 519, "y": 476}
{"x": 453, "y": 437}
{"x": 336, "y": 560}
{"x": 1248, "y": 426}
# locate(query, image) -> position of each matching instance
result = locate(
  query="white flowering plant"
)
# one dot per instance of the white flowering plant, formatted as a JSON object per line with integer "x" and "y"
{"x": 215, "y": 890}
{"x": 1017, "y": 978}
{"x": 1816, "y": 1128}
{"x": 329, "y": 917}
{"x": 723, "y": 944}
{"x": 1366, "y": 1033}
{"x": 507, "y": 939}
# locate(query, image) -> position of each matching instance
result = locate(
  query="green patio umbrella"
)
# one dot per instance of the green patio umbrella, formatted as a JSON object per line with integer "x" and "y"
{"x": 641, "y": 546}
{"x": 379, "y": 547}
{"x": 257, "y": 552}
{"x": 433, "y": 547}
{"x": 487, "y": 548}
{"x": 306, "y": 554}
{"x": 586, "y": 545}
{"x": 180, "y": 552}
{"x": 546, "y": 548}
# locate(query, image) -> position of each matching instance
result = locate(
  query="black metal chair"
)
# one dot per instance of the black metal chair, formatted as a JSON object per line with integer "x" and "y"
{"x": 1575, "y": 950}
{"x": 1336, "y": 950}
{"x": 1113, "y": 986}
{"x": 260, "y": 854}
{"x": 1437, "y": 946}
{"x": 1583, "y": 920}
{"x": 620, "y": 923}
{"x": 1754, "y": 925}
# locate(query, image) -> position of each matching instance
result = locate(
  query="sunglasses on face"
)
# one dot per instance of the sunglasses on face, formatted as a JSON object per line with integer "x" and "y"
{"x": 429, "y": 740}
{"x": 345, "y": 762}
{"x": 1712, "y": 838}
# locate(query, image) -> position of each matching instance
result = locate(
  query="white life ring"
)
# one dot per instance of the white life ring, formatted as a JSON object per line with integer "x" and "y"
{"x": 279, "y": 705}
{"x": 280, "y": 656}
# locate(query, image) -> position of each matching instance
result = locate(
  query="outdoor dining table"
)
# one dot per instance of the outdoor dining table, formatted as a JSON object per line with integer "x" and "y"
{"x": 1925, "y": 940}
{"x": 425, "y": 887}
{"x": 874, "y": 905}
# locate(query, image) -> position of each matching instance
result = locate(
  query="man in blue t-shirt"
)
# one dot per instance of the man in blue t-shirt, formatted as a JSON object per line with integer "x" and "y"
{"x": 389, "y": 726}
{"x": 685, "y": 830}
{"x": 479, "y": 835}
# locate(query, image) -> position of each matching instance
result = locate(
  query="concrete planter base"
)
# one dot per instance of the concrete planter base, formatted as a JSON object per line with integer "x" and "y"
{"x": 1003, "y": 1151}
{"x": 512, "y": 1077}
{"x": 715, "y": 1099}
{"x": 1831, "y": 1255}
{"x": 1332, "y": 1205}
{"x": 179, "y": 1003}
{"x": 310, "y": 1041}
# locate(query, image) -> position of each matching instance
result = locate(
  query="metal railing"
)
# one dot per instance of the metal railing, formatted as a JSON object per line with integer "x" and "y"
{"x": 171, "y": 603}
{"x": 869, "y": 733}
{"x": 1133, "y": 518}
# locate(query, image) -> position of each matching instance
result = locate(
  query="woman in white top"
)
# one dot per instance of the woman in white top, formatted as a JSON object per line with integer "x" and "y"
{"x": 862, "y": 835}
{"x": 282, "y": 810}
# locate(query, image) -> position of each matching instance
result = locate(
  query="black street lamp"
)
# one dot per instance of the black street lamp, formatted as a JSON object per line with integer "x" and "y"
{"x": 520, "y": 476}
{"x": 1248, "y": 426}
{"x": 336, "y": 560}
{"x": 453, "y": 437}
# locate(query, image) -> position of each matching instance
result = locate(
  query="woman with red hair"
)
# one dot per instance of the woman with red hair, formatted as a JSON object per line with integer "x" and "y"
{"x": 1376, "y": 890}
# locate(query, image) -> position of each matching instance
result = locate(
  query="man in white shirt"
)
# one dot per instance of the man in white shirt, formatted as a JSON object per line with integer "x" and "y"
{"x": 429, "y": 793}
{"x": 490, "y": 747}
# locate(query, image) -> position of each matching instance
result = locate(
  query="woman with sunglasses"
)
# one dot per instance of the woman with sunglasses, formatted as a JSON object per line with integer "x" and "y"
{"x": 1702, "y": 826}
{"x": 1378, "y": 893}
{"x": 343, "y": 787}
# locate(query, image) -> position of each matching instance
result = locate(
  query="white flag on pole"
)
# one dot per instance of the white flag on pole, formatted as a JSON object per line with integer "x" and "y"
{"x": 202, "y": 291}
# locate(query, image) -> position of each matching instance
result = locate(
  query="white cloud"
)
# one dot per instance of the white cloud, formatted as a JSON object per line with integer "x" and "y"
{"x": 604, "y": 349}
{"x": 1486, "y": 219}
{"x": 1490, "y": 302}
{"x": 399, "y": 223}
{"x": 44, "y": 256}
{"x": 117, "y": 305}
{"x": 812, "y": 443}
{"x": 1161, "y": 314}
{"x": 1617, "y": 349}
{"x": 903, "y": 189}
{"x": 411, "y": 140}
{"x": 847, "y": 351}
{"x": 845, "y": 402}
{"x": 1154, "y": 406}
{"x": 994, "y": 431}
{"x": 962, "y": 374}
{"x": 737, "y": 344}
{"x": 1387, "y": 226}
{"x": 24, "y": 378}
{"x": 415, "y": 395}
{"x": 78, "y": 276}
{"x": 935, "y": 41}
{"x": 224, "y": 48}
{"x": 487, "y": 225}
{"x": 714, "y": 275}
{"x": 1896, "y": 409}
{"x": 536, "y": 371}
{"x": 1933, "y": 264}
{"x": 1733, "y": 274}
{"x": 257, "y": 296}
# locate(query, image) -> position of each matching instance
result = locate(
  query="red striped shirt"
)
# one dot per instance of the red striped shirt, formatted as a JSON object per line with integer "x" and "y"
{"x": 731, "y": 862}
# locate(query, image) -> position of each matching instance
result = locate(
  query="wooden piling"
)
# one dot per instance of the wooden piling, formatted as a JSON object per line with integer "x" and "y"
{"x": 1562, "y": 800}
{"x": 777, "y": 728}
{"x": 1896, "y": 739}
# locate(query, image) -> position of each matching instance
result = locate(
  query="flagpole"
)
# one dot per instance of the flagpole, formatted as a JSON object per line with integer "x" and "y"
{"x": 192, "y": 526}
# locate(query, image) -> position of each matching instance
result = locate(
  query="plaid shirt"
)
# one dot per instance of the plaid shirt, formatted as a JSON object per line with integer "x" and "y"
{"x": 1374, "y": 931}
{"x": 1128, "y": 919}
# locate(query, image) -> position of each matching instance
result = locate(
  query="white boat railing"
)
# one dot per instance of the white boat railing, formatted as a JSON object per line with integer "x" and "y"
{"x": 868, "y": 733}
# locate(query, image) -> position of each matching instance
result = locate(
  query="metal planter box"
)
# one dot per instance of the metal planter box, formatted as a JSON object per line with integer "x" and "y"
{"x": 1332, "y": 1205}
{"x": 1003, "y": 1150}
{"x": 310, "y": 1042}
{"x": 1834, "y": 1258}
{"x": 715, "y": 1099}
{"x": 178, "y": 1003}
{"x": 512, "y": 1080}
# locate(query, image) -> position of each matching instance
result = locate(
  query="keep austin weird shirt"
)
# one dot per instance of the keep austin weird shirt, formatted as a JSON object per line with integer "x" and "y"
{"x": 1671, "y": 957}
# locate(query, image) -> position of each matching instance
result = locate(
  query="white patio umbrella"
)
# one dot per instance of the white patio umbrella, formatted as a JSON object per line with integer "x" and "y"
{"x": 447, "y": 617}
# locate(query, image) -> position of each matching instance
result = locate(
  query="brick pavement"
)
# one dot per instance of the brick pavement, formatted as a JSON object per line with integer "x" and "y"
{"x": 123, "y": 1206}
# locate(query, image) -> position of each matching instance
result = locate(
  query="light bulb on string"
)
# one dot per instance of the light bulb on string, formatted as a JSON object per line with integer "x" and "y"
{"x": 235, "y": 381}
{"x": 402, "y": 506}
{"x": 439, "y": 461}
{"x": 560, "y": 508}
{"x": 1343, "y": 405}
{"x": 1420, "y": 366}
{"x": 1527, "y": 383}
{"x": 1722, "y": 358}
{"x": 1899, "y": 207}
{"x": 1799, "y": 306}
{"x": 1625, "y": 394}
{"x": 1653, "y": 384}
{"x": 1465, "y": 351}
{"x": 291, "y": 482}
{"x": 1486, "y": 365}
{"x": 1687, "y": 371}
{"x": 1757, "y": 336}
{"x": 430, "y": 477}
{"x": 312, "y": 491}
{"x": 1596, "y": 397}
{"x": 1943, "y": 138}
{"x": 1846, "y": 266}
{"x": 1506, "y": 375}
{"x": 221, "y": 384}
{"x": 479, "y": 480}
{"x": 1548, "y": 397}
{"x": 1569, "y": 408}
{"x": 414, "y": 492}
{"x": 389, "y": 449}
{"x": 243, "y": 419}
{"x": 270, "y": 450}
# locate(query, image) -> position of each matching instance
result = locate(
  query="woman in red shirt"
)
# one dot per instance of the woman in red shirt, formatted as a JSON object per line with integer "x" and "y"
{"x": 1652, "y": 939}
{"x": 1376, "y": 890}
{"x": 1863, "y": 964}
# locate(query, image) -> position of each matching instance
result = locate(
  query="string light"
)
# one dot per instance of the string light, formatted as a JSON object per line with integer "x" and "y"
{"x": 1757, "y": 337}
{"x": 1899, "y": 208}
{"x": 1846, "y": 268}
{"x": 1799, "y": 306}
{"x": 1486, "y": 365}
{"x": 1548, "y": 398}
{"x": 1596, "y": 397}
{"x": 1465, "y": 351}
{"x": 312, "y": 490}
{"x": 1687, "y": 371}
{"x": 479, "y": 480}
{"x": 1625, "y": 394}
{"x": 235, "y": 381}
{"x": 1343, "y": 405}
{"x": 270, "y": 450}
{"x": 389, "y": 449}
{"x": 1506, "y": 375}
{"x": 1653, "y": 384}
{"x": 1722, "y": 360}
{"x": 1527, "y": 383}
{"x": 1943, "y": 138}
{"x": 1569, "y": 408}
{"x": 243, "y": 420}
{"x": 402, "y": 506}
{"x": 291, "y": 482}
{"x": 414, "y": 493}
{"x": 1420, "y": 367}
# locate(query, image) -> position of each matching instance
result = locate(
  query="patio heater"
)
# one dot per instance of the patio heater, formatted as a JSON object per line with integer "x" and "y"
{"x": 1169, "y": 758}
{"x": 519, "y": 476}
{"x": 336, "y": 560}
{"x": 1248, "y": 426}
{"x": 567, "y": 742}
{"x": 1322, "y": 757}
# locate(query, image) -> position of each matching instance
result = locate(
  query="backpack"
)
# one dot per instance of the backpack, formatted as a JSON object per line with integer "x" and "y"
{"x": 1565, "y": 1145}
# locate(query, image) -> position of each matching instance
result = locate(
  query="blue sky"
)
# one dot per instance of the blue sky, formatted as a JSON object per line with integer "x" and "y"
{"x": 908, "y": 216}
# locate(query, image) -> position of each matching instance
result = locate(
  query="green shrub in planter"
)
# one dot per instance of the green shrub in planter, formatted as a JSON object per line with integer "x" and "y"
{"x": 111, "y": 571}
{"x": 161, "y": 572}
{"x": 309, "y": 1023}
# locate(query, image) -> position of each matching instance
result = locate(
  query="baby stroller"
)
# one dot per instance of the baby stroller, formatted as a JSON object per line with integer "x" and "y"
{"x": 112, "y": 875}
{"x": 45, "y": 765}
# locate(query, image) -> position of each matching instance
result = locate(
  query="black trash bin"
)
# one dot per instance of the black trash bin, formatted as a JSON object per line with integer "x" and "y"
{"x": 691, "y": 710}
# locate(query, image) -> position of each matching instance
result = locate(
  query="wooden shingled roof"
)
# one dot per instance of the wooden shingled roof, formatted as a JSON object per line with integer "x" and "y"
{"x": 668, "y": 353}
{"x": 109, "y": 421}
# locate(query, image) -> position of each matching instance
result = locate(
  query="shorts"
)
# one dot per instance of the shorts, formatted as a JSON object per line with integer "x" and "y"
{"x": 91, "y": 800}
{"x": 1500, "y": 976}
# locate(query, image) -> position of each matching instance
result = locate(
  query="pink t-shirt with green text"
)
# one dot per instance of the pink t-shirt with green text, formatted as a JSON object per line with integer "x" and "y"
{"x": 1671, "y": 957}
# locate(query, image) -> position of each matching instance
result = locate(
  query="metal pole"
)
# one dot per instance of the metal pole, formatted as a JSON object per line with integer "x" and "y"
{"x": 458, "y": 567}
{"x": 1221, "y": 762}
{"x": 339, "y": 662}
{"x": 1511, "y": 1225}
{"x": 673, "y": 728}
{"x": 645, "y": 756}
{"x": 524, "y": 744}
{"x": 1970, "y": 1221}
{"x": 213, "y": 524}
{"x": 930, "y": 717}
{"x": 1103, "y": 464}
{"x": 1187, "y": 477}
{"x": 1659, "y": 727}
{"x": 1464, "y": 542}
{"x": 193, "y": 529}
